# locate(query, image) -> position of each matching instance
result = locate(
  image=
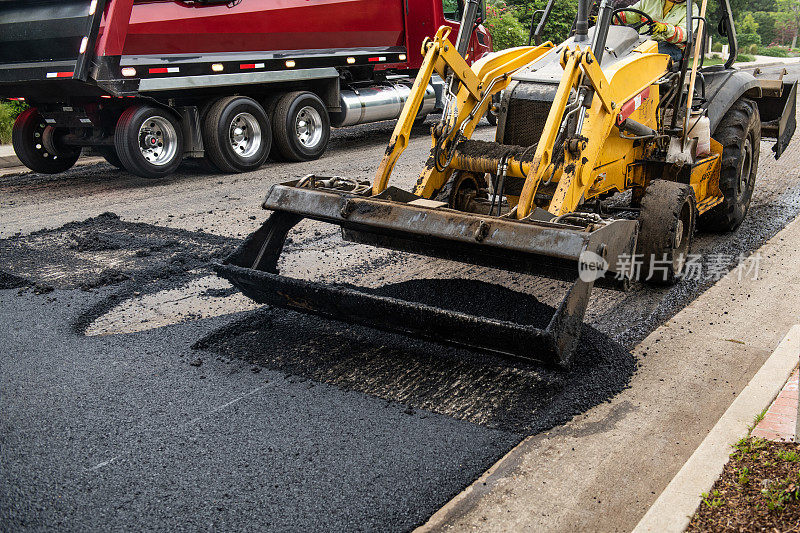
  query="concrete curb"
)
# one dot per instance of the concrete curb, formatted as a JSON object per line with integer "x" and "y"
{"x": 9, "y": 161}
{"x": 12, "y": 162}
{"x": 675, "y": 506}
{"x": 748, "y": 66}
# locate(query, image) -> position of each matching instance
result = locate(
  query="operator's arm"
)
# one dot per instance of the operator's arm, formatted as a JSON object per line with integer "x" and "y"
{"x": 672, "y": 26}
{"x": 628, "y": 17}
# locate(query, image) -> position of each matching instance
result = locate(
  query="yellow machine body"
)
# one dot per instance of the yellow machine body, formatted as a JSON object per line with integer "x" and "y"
{"x": 602, "y": 162}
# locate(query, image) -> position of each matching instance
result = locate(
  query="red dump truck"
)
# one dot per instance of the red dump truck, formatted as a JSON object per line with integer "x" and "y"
{"x": 146, "y": 83}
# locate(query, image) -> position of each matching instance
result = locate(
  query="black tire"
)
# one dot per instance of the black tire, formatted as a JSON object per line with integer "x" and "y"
{"x": 270, "y": 103}
{"x": 236, "y": 134}
{"x": 137, "y": 128}
{"x": 28, "y": 138}
{"x": 288, "y": 131}
{"x": 461, "y": 189}
{"x": 666, "y": 230}
{"x": 491, "y": 117}
{"x": 109, "y": 153}
{"x": 739, "y": 132}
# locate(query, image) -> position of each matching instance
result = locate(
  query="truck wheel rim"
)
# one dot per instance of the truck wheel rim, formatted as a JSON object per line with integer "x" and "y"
{"x": 747, "y": 166}
{"x": 245, "y": 135}
{"x": 682, "y": 237}
{"x": 158, "y": 141}
{"x": 308, "y": 127}
{"x": 38, "y": 141}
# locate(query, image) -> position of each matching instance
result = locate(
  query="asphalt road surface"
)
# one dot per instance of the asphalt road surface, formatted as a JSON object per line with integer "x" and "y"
{"x": 139, "y": 391}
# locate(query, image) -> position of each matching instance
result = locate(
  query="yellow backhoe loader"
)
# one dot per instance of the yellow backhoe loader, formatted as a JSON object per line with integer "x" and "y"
{"x": 607, "y": 156}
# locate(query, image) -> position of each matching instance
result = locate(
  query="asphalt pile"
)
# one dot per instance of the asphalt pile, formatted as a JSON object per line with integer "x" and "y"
{"x": 104, "y": 251}
{"x": 496, "y": 392}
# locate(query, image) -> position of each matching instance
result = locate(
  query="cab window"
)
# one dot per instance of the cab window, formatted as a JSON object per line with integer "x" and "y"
{"x": 452, "y": 10}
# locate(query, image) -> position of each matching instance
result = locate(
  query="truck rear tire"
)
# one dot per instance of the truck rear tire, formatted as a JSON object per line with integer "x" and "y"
{"x": 270, "y": 103}
{"x": 666, "y": 229}
{"x": 236, "y": 134}
{"x": 109, "y": 153}
{"x": 149, "y": 141}
{"x": 301, "y": 126}
{"x": 28, "y": 137}
{"x": 739, "y": 133}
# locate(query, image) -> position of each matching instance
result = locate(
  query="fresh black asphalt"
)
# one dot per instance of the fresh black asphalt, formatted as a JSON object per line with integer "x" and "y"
{"x": 123, "y": 433}
{"x": 263, "y": 420}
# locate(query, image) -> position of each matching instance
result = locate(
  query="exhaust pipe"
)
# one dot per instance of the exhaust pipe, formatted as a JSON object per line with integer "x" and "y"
{"x": 378, "y": 102}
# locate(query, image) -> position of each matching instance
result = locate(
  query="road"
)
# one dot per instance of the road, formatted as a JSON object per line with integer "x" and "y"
{"x": 139, "y": 391}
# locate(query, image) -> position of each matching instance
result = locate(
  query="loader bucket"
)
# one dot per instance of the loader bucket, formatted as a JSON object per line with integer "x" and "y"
{"x": 396, "y": 220}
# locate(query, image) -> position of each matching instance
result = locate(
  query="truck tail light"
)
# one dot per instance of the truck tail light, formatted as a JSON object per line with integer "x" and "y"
{"x": 164, "y": 70}
{"x": 128, "y": 72}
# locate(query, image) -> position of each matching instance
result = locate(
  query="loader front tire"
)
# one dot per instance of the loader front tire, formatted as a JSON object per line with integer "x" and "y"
{"x": 739, "y": 132}
{"x": 666, "y": 228}
{"x": 30, "y": 135}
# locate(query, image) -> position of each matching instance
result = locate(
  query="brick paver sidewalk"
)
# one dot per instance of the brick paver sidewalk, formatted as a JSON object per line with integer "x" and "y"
{"x": 780, "y": 422}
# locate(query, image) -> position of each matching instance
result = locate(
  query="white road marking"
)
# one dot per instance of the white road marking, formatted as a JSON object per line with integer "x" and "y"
{"x": 103, "y": 464}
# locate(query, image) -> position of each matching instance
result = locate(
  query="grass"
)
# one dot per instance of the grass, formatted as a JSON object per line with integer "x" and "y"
{"x": 789, "y": 456}
{"x": 759, "y": 490}
{"x": 7, "y": 116}
{"x": 714, "y": 499}
{"x": 782, "y": 492}
{"x": 758, "y": 418}
{"x": 744, "y": 476}
{"x": 741, "y": 58}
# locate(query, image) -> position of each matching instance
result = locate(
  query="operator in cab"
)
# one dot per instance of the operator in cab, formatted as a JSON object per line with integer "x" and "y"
{"x": 668, "y": 26}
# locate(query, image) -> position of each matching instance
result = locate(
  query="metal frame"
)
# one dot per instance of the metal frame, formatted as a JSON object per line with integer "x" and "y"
{"x": 221, "y": 80}
{"x": 93, "y": 26}
{"x": 730, "y": 31}
{"x": 531, "y": 247}
{"x": 536, "y": 35}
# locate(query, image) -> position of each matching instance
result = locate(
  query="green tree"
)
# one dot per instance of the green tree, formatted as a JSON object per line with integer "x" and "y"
{"x": 785, "y": 30}
{"x": 747, "y": 32}
{"x": 791, "y": 9}
{"x": 559, "y": 23}
{"x": 766, "y": 25}
{"x": 503, "y": 24}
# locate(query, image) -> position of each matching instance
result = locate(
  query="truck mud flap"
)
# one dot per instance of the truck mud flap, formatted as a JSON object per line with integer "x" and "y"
{"x": 544, "y": 248}
{"x": 779, "y": 117}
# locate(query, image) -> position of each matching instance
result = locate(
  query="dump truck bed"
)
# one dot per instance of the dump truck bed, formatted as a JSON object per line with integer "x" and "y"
{"x": 46, "y": 46}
